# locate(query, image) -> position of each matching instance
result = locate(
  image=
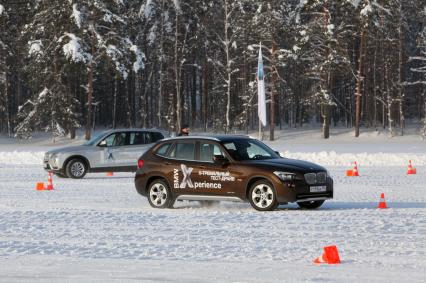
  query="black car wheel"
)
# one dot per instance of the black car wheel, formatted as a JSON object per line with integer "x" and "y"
{"x": 310, "y": 204}
{"x": 262, "y": 196}
{"x": 60, "y": 175}
{"x": 76, "y": 168}
{"x": 159, "y": 194}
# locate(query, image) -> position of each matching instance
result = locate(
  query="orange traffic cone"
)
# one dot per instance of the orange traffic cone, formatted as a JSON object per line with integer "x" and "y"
{"x": 39, "y": 187}
{"x": 411, "y": 170}
{"x": 330, "y": 256}
{"x": 320, "y": 259}
{"x": 382, "y": 203}
{"x": 355, "y": 171}
{"x": 349, "y": 173}
{"x": 49, "y": 182}
{"x": 109, "y": 174}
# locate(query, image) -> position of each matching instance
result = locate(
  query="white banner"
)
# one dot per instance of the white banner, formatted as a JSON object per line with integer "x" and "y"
{"x": 261, "y": 104}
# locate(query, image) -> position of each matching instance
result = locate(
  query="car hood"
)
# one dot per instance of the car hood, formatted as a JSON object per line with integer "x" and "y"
{"x": 69, "y": 149}
{"x": 289, "y": 164}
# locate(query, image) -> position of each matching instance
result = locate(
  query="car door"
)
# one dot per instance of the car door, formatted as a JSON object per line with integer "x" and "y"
{"x": 112, "y": 150}
{"x": 181, "y": 163}
{"x": 137, "y": 143}
{"x": 213, "y": 178}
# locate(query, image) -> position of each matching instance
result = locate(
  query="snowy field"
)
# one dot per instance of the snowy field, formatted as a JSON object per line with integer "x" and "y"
{"x": 99, "y": 229}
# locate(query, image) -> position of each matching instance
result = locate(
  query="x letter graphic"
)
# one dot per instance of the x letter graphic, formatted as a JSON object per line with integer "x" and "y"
{"x": 186, "y": 177}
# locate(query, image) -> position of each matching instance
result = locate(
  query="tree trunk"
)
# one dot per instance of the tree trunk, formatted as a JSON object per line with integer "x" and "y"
{"x": 206, "y": 93}
{"x": 325, "y": 111}
{"x": 400, "y": 70}
{"x": 359, "y": 79}
{"x": 6, "y": 106}
{"x": 114, "y": 103}
{"x": 228, "y": 69}
{"x": 273, "y": 91}
{"x": 90, "y": 94}
{"x": 178, "y": 122}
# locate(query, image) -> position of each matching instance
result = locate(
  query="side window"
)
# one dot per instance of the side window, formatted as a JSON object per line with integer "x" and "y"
{"x": 162, "y": 150}
{"x": 208, "y": 151}
{"x": 109, "y": 140}
{"x": 119, "y": 139}
{"x": 116, "y": 139}
{"x": 148, "y": 137}
{"x": 156, "y": 136}
{"x": 255, "y": 150}
{"x": 136, "y": 138}
{"x": 183, "y": 150}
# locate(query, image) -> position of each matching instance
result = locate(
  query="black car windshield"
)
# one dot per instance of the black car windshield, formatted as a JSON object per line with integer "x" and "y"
{"x": 249, "y": 149}
{"x": 95, "y": 139}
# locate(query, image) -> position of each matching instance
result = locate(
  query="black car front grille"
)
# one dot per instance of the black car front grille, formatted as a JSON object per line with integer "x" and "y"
{"x": 316, "y": 178}
{"x": 321, "y": 177}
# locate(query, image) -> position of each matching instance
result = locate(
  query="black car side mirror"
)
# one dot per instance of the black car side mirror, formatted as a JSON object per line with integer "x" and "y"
{"x": 220, "y": 159}
{"x": 277, "y": 152}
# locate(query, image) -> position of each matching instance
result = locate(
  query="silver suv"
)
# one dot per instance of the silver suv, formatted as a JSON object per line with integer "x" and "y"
{"x": 110, "y": 151}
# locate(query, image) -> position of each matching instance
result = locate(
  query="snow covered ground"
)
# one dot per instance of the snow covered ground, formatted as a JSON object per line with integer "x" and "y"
{"x": 99, "y": 229}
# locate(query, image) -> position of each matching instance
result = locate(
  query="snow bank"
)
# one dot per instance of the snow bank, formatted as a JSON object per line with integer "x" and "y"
{"x": 21, "y": 157}
{"x": 331, "y": 158}
{"x": 326, "y": 158}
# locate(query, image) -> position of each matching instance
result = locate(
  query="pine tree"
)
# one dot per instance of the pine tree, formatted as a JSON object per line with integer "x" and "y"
{"x": 100, "y": 33}
{"x": 52, "y": 107}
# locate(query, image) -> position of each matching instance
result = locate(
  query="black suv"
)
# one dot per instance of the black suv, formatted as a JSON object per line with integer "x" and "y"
{"x": 227, "y": 167}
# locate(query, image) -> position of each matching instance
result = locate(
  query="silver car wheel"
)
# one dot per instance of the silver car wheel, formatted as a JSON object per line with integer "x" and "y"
{"x": 262, "y": 196}
{"x": 158, "y": 194}
{"x": 77, "y": 169}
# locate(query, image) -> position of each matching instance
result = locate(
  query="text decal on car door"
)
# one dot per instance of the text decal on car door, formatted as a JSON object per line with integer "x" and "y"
{"x": 187, "y": 182}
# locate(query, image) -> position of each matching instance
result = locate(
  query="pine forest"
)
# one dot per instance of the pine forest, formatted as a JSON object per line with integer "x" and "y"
{"x": 67, "y": 65}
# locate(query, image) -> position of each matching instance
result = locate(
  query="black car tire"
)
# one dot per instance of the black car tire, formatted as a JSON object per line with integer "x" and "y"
{"x": 262, "y": 196}
{"x": 159, "y": 194}
{"x": 76, "y": 168}
{"x": 60, "y": 175}
{"x": 310, "y": 204}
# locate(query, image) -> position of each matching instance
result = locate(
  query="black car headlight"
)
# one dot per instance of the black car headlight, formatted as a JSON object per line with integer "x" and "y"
{"x": 285, "y": 176}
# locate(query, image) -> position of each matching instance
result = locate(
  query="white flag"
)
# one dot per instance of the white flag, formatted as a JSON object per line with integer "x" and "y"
{"x": 261, "y": 104}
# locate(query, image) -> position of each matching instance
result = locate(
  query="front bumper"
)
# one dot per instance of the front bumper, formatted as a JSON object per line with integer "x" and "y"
{"x": 301, "y": 191}
{"x": 51, "y": 164}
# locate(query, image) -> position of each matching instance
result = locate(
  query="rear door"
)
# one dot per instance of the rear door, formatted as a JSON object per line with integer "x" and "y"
{"x": 137, "y": 142}
{"x": 181, "y": 162}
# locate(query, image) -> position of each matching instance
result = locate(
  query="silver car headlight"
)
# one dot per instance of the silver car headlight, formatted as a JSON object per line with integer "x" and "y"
{"x": 285, "y": 176}
{"x": 47, "y": 156}
{"x": 55, "y": 158}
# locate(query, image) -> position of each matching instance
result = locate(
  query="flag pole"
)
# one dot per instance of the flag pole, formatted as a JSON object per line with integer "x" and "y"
{"x": 260, "y": 130}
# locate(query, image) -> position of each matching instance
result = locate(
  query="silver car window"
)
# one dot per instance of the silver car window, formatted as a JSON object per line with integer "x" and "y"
{"x": 136, "y": 138}
{"x": 116, "y": 139}
{"x": 119, "y": 139}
